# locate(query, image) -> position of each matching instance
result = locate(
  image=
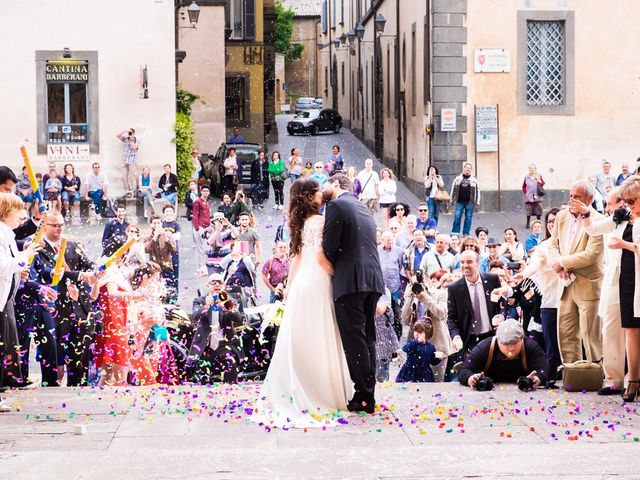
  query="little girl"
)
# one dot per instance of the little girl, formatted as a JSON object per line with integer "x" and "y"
{"x": 420, "y": 355}
{"x": 308, "y": 169}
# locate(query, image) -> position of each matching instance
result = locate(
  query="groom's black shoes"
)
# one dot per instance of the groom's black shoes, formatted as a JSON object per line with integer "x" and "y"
{"x": 354, "y": 406}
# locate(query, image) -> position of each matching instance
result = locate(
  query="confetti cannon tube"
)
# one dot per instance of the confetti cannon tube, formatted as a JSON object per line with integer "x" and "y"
{"x": 58, "y": 270}
{"x": 36, "y": 239}
{"x": 117, "y": 254}
{"x": 32, "y": 177}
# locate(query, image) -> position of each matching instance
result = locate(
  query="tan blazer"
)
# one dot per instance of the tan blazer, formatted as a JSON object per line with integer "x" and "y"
{"x": 584, "y": 257}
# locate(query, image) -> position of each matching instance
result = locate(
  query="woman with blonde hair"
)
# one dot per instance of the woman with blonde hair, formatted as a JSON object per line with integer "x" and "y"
{"x": 629, "y": 285}
{"x": 12, "y": 263}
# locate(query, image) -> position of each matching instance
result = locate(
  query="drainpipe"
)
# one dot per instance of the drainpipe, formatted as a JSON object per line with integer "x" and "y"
{"x": 397, "y": 80}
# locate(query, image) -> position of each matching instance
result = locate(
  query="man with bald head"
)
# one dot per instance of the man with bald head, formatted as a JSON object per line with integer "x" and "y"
{"x": 73, "y": 304}
{"x": 579, "y": 262}
{"x": 438, "y": 258}
{"x": 470, "y": 307}
{"x": 613, "y": 346}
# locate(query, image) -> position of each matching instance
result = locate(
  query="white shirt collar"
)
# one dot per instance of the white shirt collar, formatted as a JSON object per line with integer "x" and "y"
{"x": 469, "y": 284}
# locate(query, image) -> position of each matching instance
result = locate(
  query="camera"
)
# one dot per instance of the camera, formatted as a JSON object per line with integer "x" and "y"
{"x": 622, "y": 214}
{"x": 525, "y": 384}
{"x": 417, "y": 288}
{"x": 485, "y": 384}
{"x": 279, "y": 293}
{"x": 515, "y": 266}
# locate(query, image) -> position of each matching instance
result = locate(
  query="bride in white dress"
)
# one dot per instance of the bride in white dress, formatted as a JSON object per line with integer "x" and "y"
{"x": 308, "y": 382}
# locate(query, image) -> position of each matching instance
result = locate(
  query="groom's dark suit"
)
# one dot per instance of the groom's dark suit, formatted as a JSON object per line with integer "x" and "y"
{"x": 349, "y": 242}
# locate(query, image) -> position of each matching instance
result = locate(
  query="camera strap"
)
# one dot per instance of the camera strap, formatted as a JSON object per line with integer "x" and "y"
{"x": 492, "y": 348}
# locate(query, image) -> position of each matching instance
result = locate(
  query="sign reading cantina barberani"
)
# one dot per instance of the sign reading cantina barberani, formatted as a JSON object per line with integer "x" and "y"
{"x": 67, "y": 72}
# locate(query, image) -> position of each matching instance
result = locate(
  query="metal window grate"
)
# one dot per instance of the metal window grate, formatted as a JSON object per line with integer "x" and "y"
{"x": 545, "y": 63}
{"x": 235, "y": 99}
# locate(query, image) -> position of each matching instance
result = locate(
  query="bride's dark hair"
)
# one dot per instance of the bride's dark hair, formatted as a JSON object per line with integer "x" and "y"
{"x": 301, "y": 206}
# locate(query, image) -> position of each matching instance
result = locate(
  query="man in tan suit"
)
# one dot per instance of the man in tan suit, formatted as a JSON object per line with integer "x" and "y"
{"x": 580, "y": 265}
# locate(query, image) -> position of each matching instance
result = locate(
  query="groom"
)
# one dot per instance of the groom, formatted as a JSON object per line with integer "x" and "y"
{"x": 349, "y": 242}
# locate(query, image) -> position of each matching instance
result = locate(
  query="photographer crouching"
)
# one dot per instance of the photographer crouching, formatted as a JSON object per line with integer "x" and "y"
{"x": 507, "y": 357}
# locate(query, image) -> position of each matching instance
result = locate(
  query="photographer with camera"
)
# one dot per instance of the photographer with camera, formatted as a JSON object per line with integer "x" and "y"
{"x": 129, "y": 159}
{"x": 612, "y": 227}
{"x": 276, "y": 271}
{"x": 422, "y": 300}
{"x": 241, "y": 204}
{"x": 507, "y": 357}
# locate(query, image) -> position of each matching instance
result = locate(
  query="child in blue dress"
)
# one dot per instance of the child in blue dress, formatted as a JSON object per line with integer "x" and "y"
{"x": 420, "y": 355}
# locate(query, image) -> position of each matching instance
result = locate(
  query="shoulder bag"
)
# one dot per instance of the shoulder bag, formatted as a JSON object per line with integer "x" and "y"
{"x": 582, "y": 376}
{"x": 441, "y": 195}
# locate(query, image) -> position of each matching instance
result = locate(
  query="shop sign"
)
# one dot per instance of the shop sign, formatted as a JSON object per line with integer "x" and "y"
{"x": 67, "y": 72}
{"x": 69, "y": 152}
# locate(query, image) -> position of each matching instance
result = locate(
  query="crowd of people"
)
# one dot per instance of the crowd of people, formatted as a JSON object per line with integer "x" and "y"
{"x": 472, "y": 306}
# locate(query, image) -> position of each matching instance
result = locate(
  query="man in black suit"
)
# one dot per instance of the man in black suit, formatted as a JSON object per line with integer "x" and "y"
{"x": 349, "y": 243}
{"x": 74, "y": 332}
{"x": 470, "y": 307}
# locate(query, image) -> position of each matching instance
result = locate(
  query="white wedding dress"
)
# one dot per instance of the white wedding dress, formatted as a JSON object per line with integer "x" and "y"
{"x": 308, "y": 382}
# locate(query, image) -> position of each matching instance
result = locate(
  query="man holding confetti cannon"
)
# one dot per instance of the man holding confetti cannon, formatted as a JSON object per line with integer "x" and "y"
{"x": 69, "y": 271}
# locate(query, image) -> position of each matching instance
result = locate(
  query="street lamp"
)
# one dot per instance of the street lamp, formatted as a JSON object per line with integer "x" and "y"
{"x": 360, "y": 30}
{"x": 379, "y": 23}
{"x": 343, "y": 39}
{"x": 193, "y": 11}
{"x": 351, "y": 36}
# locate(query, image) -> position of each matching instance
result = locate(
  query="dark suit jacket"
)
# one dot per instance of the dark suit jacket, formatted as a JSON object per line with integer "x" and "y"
{"x": 202, "y": 319}
{"x": 77, "y": 261}
{"x": 460, "y": 312}
{"x": 349, "y": 242}
{"x": 255, "y": 172}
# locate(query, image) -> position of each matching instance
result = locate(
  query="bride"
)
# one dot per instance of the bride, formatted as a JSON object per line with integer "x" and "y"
{"x": 308, "y": 382}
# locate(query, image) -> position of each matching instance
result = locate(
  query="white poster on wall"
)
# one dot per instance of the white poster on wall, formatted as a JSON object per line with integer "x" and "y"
{"x": 492, "y": 60}
{"x": 448, "y": 120}
{"x": 486, "y": 129}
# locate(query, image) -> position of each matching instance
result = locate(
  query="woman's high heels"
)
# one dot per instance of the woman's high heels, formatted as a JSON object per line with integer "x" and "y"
{"x": 631, "y": 396}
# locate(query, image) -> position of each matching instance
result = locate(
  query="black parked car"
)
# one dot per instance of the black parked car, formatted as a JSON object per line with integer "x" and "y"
{"x": 212, "y": 165}
{"x": 313, "y": 122}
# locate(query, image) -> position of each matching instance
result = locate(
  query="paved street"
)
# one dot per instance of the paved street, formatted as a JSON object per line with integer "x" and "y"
{"x": 419, "y": 431}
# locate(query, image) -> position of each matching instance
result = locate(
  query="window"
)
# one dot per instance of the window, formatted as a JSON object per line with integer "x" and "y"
{"x": 333, "y": 13}
{"x": 326, "y": 81}
{"x": 67, "y": 118}
{"x": 426, "y": 75}
{"x": 324, "y": 16}
{"x": 414, "y": 84}
{"x": 545, "y": 63}
{"x": 388, "y": 89}
{"x": 237, "y": 100}
{"x": 241, "y": 18}
{"x": 342, "y": 12}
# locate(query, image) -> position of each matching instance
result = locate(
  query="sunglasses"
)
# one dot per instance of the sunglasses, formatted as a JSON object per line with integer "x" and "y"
{"x": 399, "y": 209}
{"x": 423, "y": 210}
{"x": 630, "y": 202}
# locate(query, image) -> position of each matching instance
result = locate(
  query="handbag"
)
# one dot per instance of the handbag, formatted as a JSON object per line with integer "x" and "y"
{"x": 540, "y": 191}
{"x": 582, "y": 376}
{"x": 442, "y": 195}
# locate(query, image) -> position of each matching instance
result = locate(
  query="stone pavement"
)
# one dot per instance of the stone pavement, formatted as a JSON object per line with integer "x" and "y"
{"x": 419, "y": 431}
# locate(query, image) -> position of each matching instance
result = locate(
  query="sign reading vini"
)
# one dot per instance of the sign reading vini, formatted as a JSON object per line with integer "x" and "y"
{"x": 67, "y": 72}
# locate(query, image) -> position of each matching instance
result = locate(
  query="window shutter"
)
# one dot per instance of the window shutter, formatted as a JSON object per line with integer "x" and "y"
{"x": 333, "y": 14}
{"x": 324, "y": 16}
{"x": 249, "y": 19}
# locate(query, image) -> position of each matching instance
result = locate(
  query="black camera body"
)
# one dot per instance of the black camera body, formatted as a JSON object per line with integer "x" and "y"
{"x": 622, "y": 214}
{"x": 515, "y": 266}
{"x": 525, "y": 384}
{"x": 485, "y": 384}
{"x": 417, "y": 288}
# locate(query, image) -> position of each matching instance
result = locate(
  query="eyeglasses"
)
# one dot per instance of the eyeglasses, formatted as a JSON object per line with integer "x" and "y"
{"x": 630, "y": 202}
{"x": 318, "y": 168}
{"x": 215, "y": 282}
{"x": 55, "y": 225}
